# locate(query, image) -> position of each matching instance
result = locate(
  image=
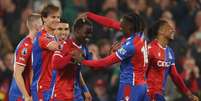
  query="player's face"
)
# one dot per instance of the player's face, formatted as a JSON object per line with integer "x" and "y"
{"x": 84, "y": 33}
{"x": 62, "y": 31}
{"x": 170, "y": 31}
{"x": 52, "y": 20}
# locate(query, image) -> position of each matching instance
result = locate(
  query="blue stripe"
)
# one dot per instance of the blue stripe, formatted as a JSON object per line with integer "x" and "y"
{"x": 36, "y": 65}
{"x": 167, "y": 69}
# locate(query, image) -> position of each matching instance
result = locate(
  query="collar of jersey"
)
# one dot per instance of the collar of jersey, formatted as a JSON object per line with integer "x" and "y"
{"x": 158, "y": 44}
{"x": 77, "y": 45}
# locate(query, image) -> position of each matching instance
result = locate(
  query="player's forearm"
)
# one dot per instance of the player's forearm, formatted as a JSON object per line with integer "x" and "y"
{"x": 20, "y": 83}
{"x": 102, "y": 63}
{"x": 60, "y": 62}
{"x": 179, "y": 82}
{"x": 53, "y": 46}
{"x": 107, "y": 22}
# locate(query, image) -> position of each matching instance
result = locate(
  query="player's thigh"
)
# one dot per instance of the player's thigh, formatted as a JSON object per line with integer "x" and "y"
{"x": 123, "y": 92}
{"x": 138, "y": 93}
{"x": 128, "y": 92}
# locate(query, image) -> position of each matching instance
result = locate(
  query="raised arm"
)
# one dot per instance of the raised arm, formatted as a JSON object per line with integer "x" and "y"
{"x": 107, "y": 22}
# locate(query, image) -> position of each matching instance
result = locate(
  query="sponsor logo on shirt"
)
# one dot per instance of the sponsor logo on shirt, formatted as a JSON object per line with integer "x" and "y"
{"x": 24, "y": 51}
{"x": 163, "y": 63}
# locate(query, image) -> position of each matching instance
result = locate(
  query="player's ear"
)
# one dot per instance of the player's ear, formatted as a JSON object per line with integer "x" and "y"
{"x": 44, "y": 19}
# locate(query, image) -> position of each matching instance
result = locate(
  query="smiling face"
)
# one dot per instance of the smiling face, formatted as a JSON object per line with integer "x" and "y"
{"x": 62, "y": 31}
{"x": 82, "y": 30}
{"x": 84, "y": 33}
{"x": 52, "y": 20}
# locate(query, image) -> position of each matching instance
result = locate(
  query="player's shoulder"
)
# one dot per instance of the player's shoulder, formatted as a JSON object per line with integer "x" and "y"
{"x": 24, "y": 46}
{"x": 67, "y": 44}
{"x": 170, "y": 50}
{"x": 25, "y": 42}
{"x": 129, "y": 41}
{"x": 152, "y": 45}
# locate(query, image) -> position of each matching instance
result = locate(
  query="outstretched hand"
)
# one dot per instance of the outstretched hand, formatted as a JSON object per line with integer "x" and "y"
{"x": 82, "y": 16}
{"x": 115, "y": 47}
{"x": 88, "y": 96}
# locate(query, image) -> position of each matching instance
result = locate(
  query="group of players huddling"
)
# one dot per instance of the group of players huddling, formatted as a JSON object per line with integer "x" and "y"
{"x": 48, "y": 61}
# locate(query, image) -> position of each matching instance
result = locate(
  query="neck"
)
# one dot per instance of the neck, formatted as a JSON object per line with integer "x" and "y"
{"x": 76, "y": 40}
{"x": 48, "y": 29}
{"x": 32, "y": 34}
{"x": 162, "y": 41}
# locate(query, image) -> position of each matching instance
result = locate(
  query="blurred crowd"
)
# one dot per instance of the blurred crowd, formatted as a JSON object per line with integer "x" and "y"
{"x": 186, "y": 14}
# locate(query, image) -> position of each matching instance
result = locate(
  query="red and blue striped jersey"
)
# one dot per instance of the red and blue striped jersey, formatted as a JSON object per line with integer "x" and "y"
{"x": 160, "y": 62}
{"x": 43, "y": 78}
{"x": 22, "y": 57}
{"x": 134, "y": 59}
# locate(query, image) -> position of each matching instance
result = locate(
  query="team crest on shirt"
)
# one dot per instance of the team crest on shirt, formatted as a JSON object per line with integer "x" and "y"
{"x": 122, "y": 51}
{"x": 24, "y": 51}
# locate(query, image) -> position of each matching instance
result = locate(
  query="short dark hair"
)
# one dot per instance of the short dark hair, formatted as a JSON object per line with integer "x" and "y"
{"x": 80, "y": 23}
{"x": 153, "y": 30}
{"x": 136, "y": 21}
{"x": 49, "y": 9}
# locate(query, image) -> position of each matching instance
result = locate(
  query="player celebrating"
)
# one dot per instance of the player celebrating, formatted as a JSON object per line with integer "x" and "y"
{"x": 133, "y": 58}
{"x": 67, "y": 71}
{"x": 20, "y": 87}
{"x": 43, "y": 49}
{"x": 162, "y": 63}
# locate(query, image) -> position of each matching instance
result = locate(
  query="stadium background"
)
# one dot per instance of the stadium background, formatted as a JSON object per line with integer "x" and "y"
{"x": 103, "y": 84}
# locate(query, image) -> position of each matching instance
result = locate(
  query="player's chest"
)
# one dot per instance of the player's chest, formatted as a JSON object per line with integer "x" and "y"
{"x": 160, "y": 58}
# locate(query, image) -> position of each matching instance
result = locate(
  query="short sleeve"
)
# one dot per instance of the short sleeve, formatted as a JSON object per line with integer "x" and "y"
{"x": 126, "y": 50}
{"x": 23, "y": 54}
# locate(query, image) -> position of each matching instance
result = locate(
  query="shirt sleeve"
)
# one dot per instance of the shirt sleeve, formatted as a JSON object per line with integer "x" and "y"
{"x": 101, "y": 63}
{"x": 44, "y": 41}
{"x": 178, "y": 80}
{"x": 107, "y": 22}
{"x": 126, "y": 50}
{"x": 59, "y": 61}
{"x": 23, "y": 54}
